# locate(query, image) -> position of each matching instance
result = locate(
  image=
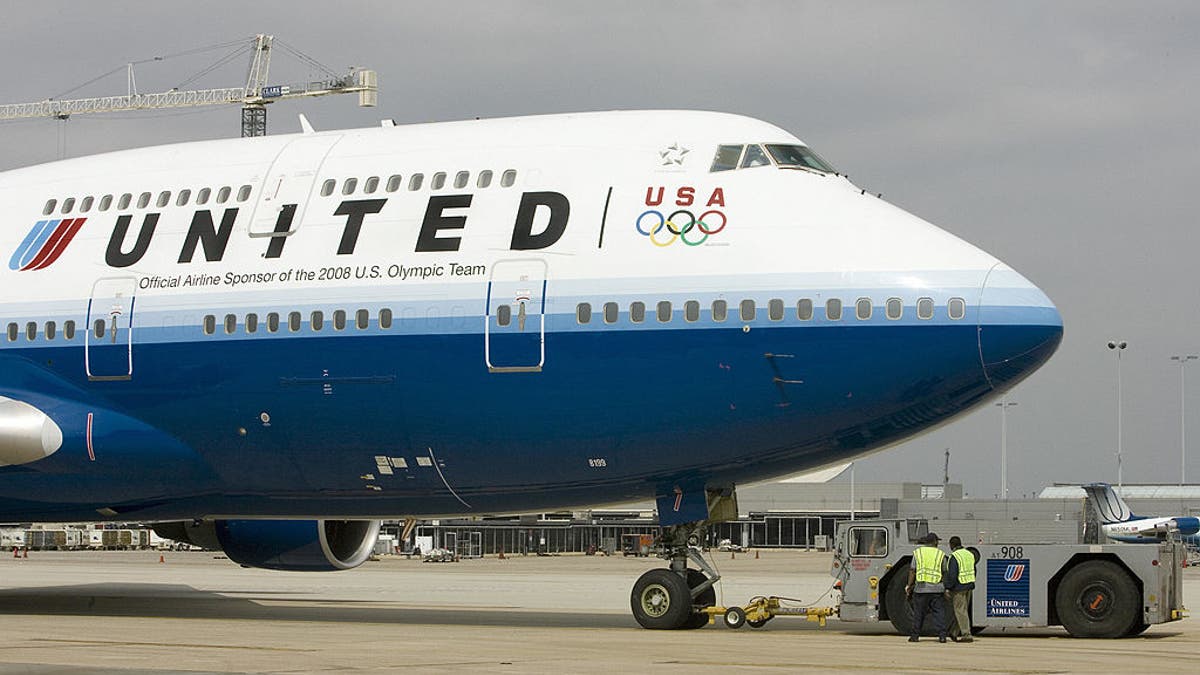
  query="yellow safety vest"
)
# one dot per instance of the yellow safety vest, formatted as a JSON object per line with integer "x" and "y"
{"x": 966, "y": 566}
{"x": 929, "y": 564}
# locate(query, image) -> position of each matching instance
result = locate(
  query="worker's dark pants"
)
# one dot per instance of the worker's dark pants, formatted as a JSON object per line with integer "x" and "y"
{"x": 928, "y": 603}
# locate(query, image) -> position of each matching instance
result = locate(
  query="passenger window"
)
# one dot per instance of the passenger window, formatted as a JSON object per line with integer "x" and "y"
{"x": 202, "y": 196}
{"x": 691, "y": 311}
{"x": 503, "y": 315}
{"x": 105, "y": 202}
{"x": 273, "y": 322}
{"x": 51, "y": 330}
{"x": 637, "y": 312}
{"x": 610, "y": 312}
{"x": 720, "y": 310}
{"x": 210, "y": 324}
{"x": 804, "y": 309}
{"x": 68, "y": 204}
{"x": 583, "y": 312}
{"x": 895, "y": 308}
{"x": 31, "y": 331}
{"x": 252, "y": 323}
{"x": 294, "y": 321}
{"x": 143, "y": 200}
{"x": 184, "y": 197}
{"x": 393, "y": 183}
{"x": 461, "y": 178}
{"x": 862, "y": 309}
{"x": 362, "y": 319}
{"x": 49, "y": 207}
{"x": 438, "y": 181}
{"x": 868, "y": 542}
{"x": 755, "y": 156}
{"x": 85, "y": 205}
{"x": 371, "y": 185}
{"x": 925, "y": 308}
{"x": 328, "y": 187}
{"x": 663, "y": 311}
{"x": 230, "y": 324}
{"x": 508, "y": 178}
{"x": 726, "y": 158}
{"x": 747, "y": 311}
{"x": 349, "y": 186}
{"x": 68, "y": 330}
{"x": 223, "y": 194}
{"x": 414, "y": 181}
{"x": 126, "y": 200}
{"x": 957, "y": 308}
{"x": 244, "y": 193}
{"x": 339, "y": 319}
{"x": 317, "y": 320}
{"x": 775, "y": 309}
{"x": 13, "y": 329}
{"x": 833, "y": 309}
{"x": 385, "y": 318}
{"x": 164, "y": 198}
{"x": 484, "y": 179}
{"x": 98, "y": 329}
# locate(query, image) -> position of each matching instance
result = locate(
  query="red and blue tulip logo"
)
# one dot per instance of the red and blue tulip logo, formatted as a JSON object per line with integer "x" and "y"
{"x": 44, "y": 244}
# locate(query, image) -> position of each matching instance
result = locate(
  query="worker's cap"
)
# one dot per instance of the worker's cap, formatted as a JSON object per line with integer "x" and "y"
{"x": 931, "y": 538}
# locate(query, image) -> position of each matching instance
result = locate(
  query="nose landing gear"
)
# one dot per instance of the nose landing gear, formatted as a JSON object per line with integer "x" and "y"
{"x": 673, "y": 598}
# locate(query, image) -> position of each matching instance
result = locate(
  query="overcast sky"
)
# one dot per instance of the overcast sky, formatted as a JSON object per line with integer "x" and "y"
{"x": 1061, "y": 137}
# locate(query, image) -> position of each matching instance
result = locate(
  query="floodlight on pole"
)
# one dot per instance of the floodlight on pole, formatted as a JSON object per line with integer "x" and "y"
{"x": 1118, "y": 346}
{"x": 1183, "y": 361}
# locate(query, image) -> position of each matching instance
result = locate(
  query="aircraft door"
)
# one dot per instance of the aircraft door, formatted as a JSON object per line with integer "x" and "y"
{"x": 515, "y": 328}
{"x": 108, "y": 339}
{"x": 289, "y": 185}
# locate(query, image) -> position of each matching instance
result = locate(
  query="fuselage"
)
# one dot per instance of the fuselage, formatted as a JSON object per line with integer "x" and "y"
{"x": 474, "y": 317}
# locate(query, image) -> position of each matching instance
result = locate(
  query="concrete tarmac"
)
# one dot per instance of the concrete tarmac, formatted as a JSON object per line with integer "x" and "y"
{"x": 127, "y": 613}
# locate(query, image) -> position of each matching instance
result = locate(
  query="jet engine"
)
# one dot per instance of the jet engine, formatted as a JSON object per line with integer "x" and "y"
{"x": 288, "y": 545}
{"x": 1187, "y": 525}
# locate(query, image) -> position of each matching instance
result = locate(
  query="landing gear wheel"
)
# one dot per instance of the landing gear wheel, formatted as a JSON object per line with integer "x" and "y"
{"x": 735, "y": 617}
{"x": 707, "y": 598}
{"x": 660, "y": 600}
{"x": 1097, "y": 599}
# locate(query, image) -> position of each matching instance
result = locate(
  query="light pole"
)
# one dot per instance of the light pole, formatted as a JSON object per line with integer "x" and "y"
{"x": 1118, "y": 346}
{"x": 1183, "y": 361}
{"x": 1004, "y": 405}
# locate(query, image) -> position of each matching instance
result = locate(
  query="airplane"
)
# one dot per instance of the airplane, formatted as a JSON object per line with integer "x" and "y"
{"x": 1118, "y": 522}
{"x": 266, "y": 345}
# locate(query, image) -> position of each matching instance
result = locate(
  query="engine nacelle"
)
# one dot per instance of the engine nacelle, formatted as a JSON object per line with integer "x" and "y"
{"x": 288, "y": 545}
{"x": 1188, "y": 525}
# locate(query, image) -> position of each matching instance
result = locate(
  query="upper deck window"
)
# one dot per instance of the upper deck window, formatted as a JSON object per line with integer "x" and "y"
{"x": 755, "y": 157}
{"x": 726, "y": 158}
{"x": 798, "y": 156}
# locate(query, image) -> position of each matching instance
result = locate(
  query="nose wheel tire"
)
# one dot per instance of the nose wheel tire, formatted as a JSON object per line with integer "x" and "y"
{"x": 660, "y": 600}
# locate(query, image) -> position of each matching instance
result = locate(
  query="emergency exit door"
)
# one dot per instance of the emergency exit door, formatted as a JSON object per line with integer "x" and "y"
{"x": 108, "y": 340}
{"x": 515, "y": 329}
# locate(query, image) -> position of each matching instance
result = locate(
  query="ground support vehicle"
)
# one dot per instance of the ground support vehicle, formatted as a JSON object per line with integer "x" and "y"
{"x": 1099, "y": 591}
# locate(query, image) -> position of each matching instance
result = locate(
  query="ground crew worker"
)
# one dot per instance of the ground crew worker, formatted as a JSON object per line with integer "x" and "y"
{"x": 925, "y": 588}
{"x": 960, "y": 581}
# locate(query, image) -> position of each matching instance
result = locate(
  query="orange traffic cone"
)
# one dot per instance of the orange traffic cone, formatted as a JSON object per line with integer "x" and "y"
{"x": 16, "y": 552}
{"x": 161, "y": 559}
{"x": 501, "y": 556}
{"x": 756, "y": 554}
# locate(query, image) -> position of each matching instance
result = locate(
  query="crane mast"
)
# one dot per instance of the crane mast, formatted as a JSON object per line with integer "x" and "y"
{"x": 254, "y": 96}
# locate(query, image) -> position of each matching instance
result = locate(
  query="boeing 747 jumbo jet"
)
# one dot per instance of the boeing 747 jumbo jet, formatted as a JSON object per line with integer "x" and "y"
{"x": 268, "y": 344}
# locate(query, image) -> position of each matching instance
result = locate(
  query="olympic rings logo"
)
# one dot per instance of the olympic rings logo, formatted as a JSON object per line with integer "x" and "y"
{"x": 681, "y": 225}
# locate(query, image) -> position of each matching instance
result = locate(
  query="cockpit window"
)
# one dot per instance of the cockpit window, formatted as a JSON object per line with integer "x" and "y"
{"x": 755, "y": 157}
{"x": 726, "y": 158}
{"x": 798, "y": 156}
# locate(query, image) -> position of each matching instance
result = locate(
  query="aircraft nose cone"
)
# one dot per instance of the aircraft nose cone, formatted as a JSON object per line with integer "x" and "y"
{"x": 26, "y": 433}
{"x": 1019, "y": 328}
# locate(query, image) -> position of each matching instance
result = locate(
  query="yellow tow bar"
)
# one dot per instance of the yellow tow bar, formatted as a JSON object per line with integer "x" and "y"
{"x": 762, "y": 609}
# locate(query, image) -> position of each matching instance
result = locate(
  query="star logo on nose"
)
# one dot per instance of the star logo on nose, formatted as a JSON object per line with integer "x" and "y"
{"x": 674, "y": 154}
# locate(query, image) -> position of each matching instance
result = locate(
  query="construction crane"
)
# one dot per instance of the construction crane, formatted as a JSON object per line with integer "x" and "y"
{"x": 253, "y": 97}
